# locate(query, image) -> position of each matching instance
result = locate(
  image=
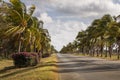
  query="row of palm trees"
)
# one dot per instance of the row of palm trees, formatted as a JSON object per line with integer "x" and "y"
{"x": 101, "y": 38}
{"x": 20, "y": 31}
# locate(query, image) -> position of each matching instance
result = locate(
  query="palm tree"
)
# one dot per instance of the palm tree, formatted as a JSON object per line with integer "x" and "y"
{"x": 102, "y": 28}
{"x": 102, "y": 33}
{"x": 81, "y": 39}
{"x": 24, "y": 30}
{"x": 23, "y": 27}
{"x": 118, "y": 34}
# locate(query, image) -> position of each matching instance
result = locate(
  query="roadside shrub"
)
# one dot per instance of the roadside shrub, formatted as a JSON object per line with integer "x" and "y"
{"x": 24, "y": 59}
{"x": 45, "y": 55}
{"x": 34, "y": 59}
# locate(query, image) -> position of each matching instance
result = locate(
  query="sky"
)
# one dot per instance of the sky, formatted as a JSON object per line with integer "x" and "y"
{"x": 65, "y": 18}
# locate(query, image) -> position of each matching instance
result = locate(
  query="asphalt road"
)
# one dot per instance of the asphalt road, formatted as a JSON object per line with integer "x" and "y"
{"x": 87, "y": 68}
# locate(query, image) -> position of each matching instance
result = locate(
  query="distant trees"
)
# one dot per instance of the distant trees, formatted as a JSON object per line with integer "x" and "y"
{"x": 70, "y": 48}
{"x": 101, "y": 38}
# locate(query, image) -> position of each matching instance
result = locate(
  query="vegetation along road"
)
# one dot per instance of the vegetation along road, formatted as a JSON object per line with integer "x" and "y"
{"x": 87, "y": 68}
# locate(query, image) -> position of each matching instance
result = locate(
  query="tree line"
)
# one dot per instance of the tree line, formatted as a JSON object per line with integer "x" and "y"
{"x": 20, "y": 31}
{"x": 101, "y": 38}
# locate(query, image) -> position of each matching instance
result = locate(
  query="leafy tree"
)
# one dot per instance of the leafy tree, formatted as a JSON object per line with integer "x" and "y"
{"x": 20, "y": 31}
{"x": 101, "y": 37}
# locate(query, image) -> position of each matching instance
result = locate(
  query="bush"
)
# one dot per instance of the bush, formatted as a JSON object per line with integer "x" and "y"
{"x": 23, "y": 59}
{"x": 34, "y": 59}
{"x": 45, "y": 55}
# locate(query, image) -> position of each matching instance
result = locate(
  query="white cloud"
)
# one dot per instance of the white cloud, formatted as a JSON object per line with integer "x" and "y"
{"x": 70, "y": 16}
{"x": 86, "y": 8}
{"x": 66, "y": 32}
{"x": 62, "y": 32}
{"x": 46, "y": 19}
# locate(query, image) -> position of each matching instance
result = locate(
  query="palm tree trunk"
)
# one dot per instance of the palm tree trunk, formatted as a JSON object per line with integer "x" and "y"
{"x": 82, "y": 50}
{"x": 110, "y": 51}
{"x": 97, "y": 52}
{"x": 106, "y": 51}
{"x": 118, "y": 53}
{"x": 35, "y": 48}
{"x": 101, "y": 50}
{"x": 25, "y": 49}
{"x": 19, "y": 47}
{"x": 41, "y": 51}
{"x": 93, "y": 51}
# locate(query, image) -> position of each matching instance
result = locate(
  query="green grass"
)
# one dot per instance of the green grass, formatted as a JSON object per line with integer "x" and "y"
{"x": 46, "y": 70}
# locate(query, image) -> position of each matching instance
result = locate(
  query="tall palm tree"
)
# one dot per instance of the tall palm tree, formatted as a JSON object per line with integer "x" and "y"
{"x": 81, "y": 39}
{"x": 23, "y": 27}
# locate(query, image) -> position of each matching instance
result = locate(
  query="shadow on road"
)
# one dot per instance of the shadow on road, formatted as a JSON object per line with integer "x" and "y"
{"x": 74, "y": 64}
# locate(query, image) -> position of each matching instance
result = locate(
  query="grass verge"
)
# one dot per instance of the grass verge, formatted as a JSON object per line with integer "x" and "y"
{"x": 46, "y": 70}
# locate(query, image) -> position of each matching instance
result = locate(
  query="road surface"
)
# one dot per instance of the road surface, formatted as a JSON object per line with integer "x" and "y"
{"x": 87, "y": 68}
